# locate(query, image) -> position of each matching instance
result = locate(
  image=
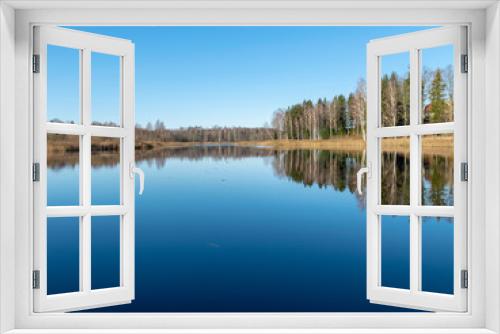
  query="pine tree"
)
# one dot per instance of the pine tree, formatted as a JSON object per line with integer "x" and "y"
{"x": 342, "y": 111}
{"x": 437, "y": 98}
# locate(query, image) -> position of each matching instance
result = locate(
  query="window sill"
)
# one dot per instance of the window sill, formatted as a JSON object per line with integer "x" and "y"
{"x": 253, "y": 331}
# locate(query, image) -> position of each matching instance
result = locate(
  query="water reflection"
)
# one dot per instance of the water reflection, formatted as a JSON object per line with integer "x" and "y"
{"x": 437, "y": 187}
{"x": 321, "y": 168}
{"x": 395, "y": 178}
{"x": 254, "y": 229}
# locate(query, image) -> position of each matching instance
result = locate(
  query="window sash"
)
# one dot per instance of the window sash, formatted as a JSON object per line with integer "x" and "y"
{"x": 85, "y": 297}
{"x": 414, "y": 297}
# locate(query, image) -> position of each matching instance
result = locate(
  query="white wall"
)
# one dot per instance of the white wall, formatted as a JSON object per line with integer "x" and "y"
{"x": 492, "y": 205}
{"x": 6, "y": 167}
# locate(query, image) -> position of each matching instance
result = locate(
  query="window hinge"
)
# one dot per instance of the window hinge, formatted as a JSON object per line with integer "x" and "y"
{"x": 36, "y": 172}
{"x": 36, "y": 279}
{"x": 464, "y": 279}
{"x": 464, "y": 171}
{"x": 465, "y": 63}
{"x": 36, "y": 63}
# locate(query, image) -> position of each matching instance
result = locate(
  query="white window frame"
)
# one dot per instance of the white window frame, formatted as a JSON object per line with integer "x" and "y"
{"x": 412, "y": 44}
{"x": 483, "y": 18}
{"x": 86, "y": 44}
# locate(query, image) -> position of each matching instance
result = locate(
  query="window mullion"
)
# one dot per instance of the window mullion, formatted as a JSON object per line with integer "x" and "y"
{"x": 124, "y": 200}
{"x": 415, "y": 229}
{"x": 85, "y": 174}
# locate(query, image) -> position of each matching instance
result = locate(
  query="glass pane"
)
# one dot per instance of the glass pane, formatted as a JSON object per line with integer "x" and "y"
{"x": 437, "y": 254}
{"x": 105, "y": 252}
{"x": 436, "y": 96}
{"x": 437, "y": 170}
{"x": 395, "y": 248}
{"x": 63, "y": 84}
{"x": 105, "y": 171}
{"x": 106, "y": 90}
{"x": 63, "y": 255}
{"x": 395, "y": 171}
{"x": 63, "y": 176}
{"x": 395, "y": 89}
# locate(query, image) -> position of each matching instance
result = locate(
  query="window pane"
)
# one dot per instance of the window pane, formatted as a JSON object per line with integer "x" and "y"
{"x": 395, "y": 89}
{"x": 63, "y": 176}
{"x": 63, "y": 84}
{"x": 105, "y": 252}
{"x": 395, "y": 248}
{"x": 436, "y": 97}
{"x": 106, "y": 90}
{"x": 63, "y": 255}
{"x": 437, "y": 254}
{"x": 395, "y": 171}
{"x": 437, "y": 170}
{"x": 105, "y": 171}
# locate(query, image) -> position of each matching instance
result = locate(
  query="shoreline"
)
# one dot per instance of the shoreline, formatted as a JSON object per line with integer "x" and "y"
{"x": 434, "y": 144}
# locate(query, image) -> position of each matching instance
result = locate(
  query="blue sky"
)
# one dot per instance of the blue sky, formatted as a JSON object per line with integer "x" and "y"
{"x": 227, "y": 76}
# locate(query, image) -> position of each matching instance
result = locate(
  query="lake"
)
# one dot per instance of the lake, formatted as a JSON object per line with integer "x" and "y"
{"x": 247, "y": 229}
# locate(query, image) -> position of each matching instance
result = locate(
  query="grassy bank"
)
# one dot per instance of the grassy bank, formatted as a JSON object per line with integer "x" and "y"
{"x": 440, "y": 144}
{"x": 347, "y": 143}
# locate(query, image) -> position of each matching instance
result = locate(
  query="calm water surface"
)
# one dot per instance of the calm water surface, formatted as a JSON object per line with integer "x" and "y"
{"x": 230, "y": 229}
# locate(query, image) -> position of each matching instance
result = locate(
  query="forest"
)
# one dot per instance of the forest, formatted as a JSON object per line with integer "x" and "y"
{"x": 340, "y": 117}
{"x": 346, "y": 115}
{"x": 324, "y": 119}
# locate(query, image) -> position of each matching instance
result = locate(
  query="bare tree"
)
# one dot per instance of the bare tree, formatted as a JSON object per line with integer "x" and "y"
{"x": 359, "y": 107}
{"x": 278, "y": 122}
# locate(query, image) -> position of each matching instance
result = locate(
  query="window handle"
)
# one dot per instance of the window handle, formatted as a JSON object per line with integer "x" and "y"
{"x": 359, "y": 175}
{"x": 136, "y": 170}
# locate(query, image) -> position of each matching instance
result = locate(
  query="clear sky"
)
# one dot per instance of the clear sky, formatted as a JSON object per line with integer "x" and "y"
{"x": 227, "y": 76}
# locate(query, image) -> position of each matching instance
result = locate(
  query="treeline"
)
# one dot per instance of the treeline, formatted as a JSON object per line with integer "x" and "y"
{"x": 324, "y": 119}
{"x": 342, "y": 115}
{"x": 346, "y": 115}
{"x": 216, "y": 134}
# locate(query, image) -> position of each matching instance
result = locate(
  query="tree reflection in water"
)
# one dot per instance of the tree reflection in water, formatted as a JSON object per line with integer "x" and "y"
{"x": 310, "y": 167}
{"x": 395, "y": 178}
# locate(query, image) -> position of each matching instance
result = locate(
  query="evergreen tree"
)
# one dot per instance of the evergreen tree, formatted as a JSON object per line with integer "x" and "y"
{"x": 296, "y": 113}
{"x": 342, "y": 114}
{"x": 437, "y": 97}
